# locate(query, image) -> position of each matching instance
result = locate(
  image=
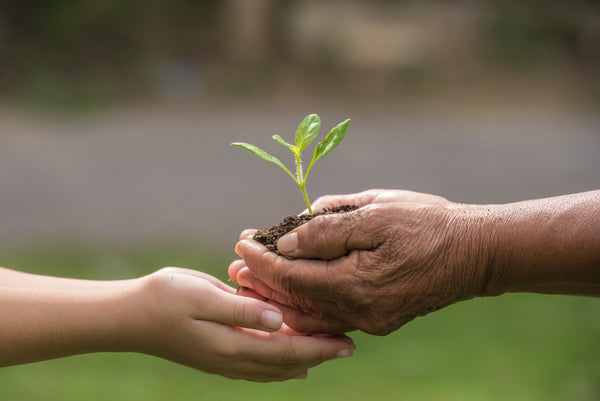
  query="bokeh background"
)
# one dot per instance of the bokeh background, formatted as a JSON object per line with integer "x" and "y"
{"x": 115, "y": 124}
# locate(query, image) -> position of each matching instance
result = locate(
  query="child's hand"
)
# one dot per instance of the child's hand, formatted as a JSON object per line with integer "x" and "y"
{"x": 192, "y": 318}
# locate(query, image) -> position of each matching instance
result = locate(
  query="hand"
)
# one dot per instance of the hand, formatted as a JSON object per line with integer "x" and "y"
{"x": 302, "y": 322}
{"x": 373, "y": 196}
{"x": 190, "y": 317}
{"x": 401, "y": 255}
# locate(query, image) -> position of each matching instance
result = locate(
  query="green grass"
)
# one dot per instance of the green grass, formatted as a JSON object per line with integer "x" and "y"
{"x": 514, "y": 347}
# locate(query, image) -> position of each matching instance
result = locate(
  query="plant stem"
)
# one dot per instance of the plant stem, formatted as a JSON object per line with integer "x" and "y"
{"x": 301, "y": 181}
{"x": 303, "y": 189}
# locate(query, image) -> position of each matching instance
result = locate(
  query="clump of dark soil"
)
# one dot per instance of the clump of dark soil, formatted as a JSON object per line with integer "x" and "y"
{"x": 270, "y": 235}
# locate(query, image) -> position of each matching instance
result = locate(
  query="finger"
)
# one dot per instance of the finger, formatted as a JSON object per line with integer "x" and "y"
{"x": 306, "y": 315}
{"x": 234, "y": 268}
{"x": 279, "y": 275}
{"x": 251, "y": 286}
{"x": 359, "y": 199}
{"x": 301, "y": 322}
{"x": 312, "y": 351}
{"x": 248, "y": 281}
{"x": 316, "y": 287}
{"x": 302, "y": 375}
{"x": 404, "y": 196}
{"x": 246, "y": 292}
{"x": 254, "y": 367}
{"x": 287, "y": 330}
{"x": 247, "y": 233}
{"x": 281, "y": 357}
{"x": 298, "y": 322}
{"x": 285, "y": 351}
{"x": 331, "y": 236}
{"x": 227, "y": 308}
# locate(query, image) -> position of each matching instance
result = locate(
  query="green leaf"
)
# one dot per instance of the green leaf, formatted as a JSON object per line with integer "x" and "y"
{"x": 280, "y": 140}
{"x": 332, "y": 140}
{"x": 307, "y": 131}
{"x": 260, "y": 153}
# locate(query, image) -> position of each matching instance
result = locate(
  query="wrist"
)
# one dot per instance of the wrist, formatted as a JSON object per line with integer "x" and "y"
{"x": 105, "y": 319}
{"x": 493, "y": 248}
{"x": 147, "y": 319}
{"x": 492, "y": 253}
{"x": 546, "y": 246}
{"x": 132, "y": 329}
{"x": 472, "y": 235}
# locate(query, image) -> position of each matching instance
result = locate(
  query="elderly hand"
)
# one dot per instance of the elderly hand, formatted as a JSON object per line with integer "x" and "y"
{"x": 401, "y": 255}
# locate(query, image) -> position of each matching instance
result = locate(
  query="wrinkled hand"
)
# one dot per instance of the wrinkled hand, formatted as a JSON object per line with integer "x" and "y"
{"x": 192, "y": 318}
{"x": 401, "y": 255}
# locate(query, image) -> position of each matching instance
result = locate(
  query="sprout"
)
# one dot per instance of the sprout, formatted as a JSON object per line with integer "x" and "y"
{"x": 307, "y": 131}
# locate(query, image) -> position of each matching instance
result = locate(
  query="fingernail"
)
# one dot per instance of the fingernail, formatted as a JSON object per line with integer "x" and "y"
{"x": 301, "y": 376}
{"x": 271, "y": 320}
{"x": 345, "y": 353}
{"x": 288, "y": 243}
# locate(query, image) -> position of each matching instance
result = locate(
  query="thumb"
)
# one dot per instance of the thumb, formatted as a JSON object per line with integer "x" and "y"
{"x": 331, "y": 236}
{"x": 301, "y": 322}
{"x": 245, "y": 312}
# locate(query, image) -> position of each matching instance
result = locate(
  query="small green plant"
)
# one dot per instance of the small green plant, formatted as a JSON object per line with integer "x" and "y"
{"x": 307, "y": 131}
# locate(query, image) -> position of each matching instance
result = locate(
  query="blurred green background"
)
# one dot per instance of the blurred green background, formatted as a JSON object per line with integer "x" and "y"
{"x": 115, "y": 124}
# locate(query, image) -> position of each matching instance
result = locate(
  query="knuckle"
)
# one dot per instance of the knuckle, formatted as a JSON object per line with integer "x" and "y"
{"x": 376, "y": 216}
{"x": 326, "y": 233}
{"x": 169, "y": 272}
{"x": 203, "y": 289}
{"x": 307, "y": 307}
{"x": 160, "y": 281}
{"x": 240, "y": 313}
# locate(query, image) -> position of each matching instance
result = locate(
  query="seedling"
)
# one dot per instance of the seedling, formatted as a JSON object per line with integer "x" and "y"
{"x": 307, "y": 131}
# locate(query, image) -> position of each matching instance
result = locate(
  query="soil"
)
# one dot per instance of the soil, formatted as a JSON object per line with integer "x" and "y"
{"x": 270, "y": 235}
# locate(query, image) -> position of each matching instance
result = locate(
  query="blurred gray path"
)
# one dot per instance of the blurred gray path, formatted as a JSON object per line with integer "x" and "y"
{"x": 163, "y": 173}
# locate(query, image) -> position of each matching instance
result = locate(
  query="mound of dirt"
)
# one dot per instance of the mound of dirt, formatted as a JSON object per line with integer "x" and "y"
{"x": 270, "y": 235}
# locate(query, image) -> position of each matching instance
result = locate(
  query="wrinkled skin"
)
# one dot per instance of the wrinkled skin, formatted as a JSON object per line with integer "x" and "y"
{"x": 400, "y": 255}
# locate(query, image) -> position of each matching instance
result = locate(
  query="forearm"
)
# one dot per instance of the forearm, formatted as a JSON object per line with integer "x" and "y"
{"x": 40, "y": 324}
{"x": 549, "y": 245}
{"x": 17, "y": 279}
